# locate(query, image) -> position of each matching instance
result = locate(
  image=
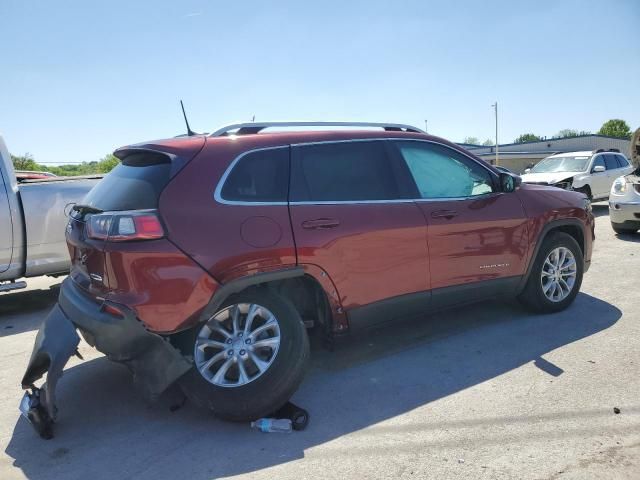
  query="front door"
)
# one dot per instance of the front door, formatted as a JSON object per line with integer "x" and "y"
{"x": 599, "y": 180}
{"x": 475, "y": 232}
{"x": 352, "y": 218}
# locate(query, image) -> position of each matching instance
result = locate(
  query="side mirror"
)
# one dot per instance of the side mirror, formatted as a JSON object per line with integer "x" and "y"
{"x": 598, "y": 169}
{"x": 508, "y": 182}
{"x": 527, "y": 170}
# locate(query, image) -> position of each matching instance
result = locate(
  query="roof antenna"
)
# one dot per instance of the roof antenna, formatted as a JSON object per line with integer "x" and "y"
{"x": 189, "y": 131}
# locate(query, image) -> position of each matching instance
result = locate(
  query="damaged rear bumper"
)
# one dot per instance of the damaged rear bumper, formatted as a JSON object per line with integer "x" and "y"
{"x": 154, "y": 362}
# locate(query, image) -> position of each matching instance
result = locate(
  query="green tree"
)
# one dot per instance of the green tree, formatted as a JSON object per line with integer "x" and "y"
{"x": 471, "y": 140}
{"x": 615, "y": 128}
{"x": 488, "y": 142}
{"x": 566, "y": 133}
{"x": 108, "y": 163}
{"x": 104, "y": 165}
{"x": 527, "y": 137}
{"x": 24, "y": 162}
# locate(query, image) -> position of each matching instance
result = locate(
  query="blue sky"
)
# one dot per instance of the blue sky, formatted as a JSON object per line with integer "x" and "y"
{"x": 78, "y": 78}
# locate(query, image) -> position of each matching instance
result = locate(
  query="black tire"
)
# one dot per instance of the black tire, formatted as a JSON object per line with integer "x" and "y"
{"x": 273, "y": 388}
{"x": 622, "y": 229}
{"x": 533, "y": 296}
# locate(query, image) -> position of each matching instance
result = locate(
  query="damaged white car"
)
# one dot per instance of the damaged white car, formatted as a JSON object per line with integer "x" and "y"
{"x": 591, "y": 173}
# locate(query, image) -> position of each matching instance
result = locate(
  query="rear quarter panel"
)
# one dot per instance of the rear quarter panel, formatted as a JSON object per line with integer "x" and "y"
{"x": 225, "y": 239}
{"x": 165, "y": 288}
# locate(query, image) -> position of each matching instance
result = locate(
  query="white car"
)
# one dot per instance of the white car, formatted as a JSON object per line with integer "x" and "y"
{"x": 591, "y": 173}
{"x": 624, "y": 202}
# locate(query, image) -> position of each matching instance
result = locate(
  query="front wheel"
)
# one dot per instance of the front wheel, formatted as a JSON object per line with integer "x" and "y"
{"x": 249, "y": 357}
{"x": 556, "y": 275}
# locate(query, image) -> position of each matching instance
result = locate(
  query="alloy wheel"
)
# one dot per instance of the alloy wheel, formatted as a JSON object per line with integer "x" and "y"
{"x": 237, "y": 345}
{"x": 559, "y": 272}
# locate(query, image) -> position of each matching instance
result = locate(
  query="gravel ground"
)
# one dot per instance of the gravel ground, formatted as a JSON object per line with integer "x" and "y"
{"x": 486, "y": 391}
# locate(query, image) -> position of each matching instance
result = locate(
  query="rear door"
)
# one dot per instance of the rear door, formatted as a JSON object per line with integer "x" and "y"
{"x": 614, "y": 165}
{"x": 475, "y": 232}
{"x": 352, "y": 217}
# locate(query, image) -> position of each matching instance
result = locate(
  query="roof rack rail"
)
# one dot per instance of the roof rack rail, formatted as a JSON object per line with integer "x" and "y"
{"x": 256, "y": 127}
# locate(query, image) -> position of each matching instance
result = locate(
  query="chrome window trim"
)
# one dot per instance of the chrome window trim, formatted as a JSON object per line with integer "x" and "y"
{"x": 350, "y": 202}
{"x": 218, "y": 196}
{"x": 407, "y": 200}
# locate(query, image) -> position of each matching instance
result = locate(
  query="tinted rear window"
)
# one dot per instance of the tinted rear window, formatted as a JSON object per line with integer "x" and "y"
{"x": 348, "y": 171}
{"x": 260, "y": 176}
{"x": 135, "y": 184}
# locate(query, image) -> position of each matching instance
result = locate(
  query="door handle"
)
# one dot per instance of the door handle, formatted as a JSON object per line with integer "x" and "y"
{"x": 320, "y": 223}
{"x": 448, "y": 214}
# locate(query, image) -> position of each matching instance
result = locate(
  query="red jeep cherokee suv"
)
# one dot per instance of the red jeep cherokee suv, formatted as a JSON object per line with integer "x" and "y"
{"x": 202, "y": 259}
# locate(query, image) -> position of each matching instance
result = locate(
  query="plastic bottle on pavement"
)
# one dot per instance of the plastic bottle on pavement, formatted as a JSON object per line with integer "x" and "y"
{"x": 279, "y": 425}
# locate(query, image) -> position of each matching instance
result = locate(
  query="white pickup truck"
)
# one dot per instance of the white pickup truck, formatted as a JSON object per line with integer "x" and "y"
{"x": 33, "y": 216}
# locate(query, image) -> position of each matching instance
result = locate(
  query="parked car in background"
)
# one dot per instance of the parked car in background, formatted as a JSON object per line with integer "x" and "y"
{"x": 24, "y": 175}
{"x": 201, "y": 260}
{"x": 624, "y": 201}
{"x": 32, "y": 221}
{"x": 591, "y": 173}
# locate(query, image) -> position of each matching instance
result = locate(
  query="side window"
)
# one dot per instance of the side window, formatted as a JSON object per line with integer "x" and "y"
{"x": 622, "y": 161}
{"x": 440, "y": 172}
{"x": 343, "y": 171}
{"x": 598, "y": 162}
{"x": 610, "y": 161}
{"x": 260, "y": 176}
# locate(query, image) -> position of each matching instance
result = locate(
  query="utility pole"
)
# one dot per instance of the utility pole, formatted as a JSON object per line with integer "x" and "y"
{"x": 495, "y": 106}
{"x": 426, "y": 130}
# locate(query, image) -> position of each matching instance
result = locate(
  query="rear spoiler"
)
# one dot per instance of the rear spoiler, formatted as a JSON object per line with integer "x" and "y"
{"x": 177, "y": 151}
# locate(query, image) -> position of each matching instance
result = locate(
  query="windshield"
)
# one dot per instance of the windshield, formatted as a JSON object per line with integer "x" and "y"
{"x": 561, "y": 164}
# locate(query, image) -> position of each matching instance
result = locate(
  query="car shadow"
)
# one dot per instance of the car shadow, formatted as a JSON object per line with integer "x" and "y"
{"x": 106, "y": 430}
{"x": 600, "y": 209}
{"x": 629, "y": 237}
{"x": 23, "y": 311}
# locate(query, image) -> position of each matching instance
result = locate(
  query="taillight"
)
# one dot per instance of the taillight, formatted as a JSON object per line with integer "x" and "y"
{"x": 125, "y": 226}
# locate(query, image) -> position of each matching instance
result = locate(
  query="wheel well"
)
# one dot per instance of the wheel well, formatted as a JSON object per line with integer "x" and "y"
{"x": 307, "y": 296}
{"x": 572, "y": 230}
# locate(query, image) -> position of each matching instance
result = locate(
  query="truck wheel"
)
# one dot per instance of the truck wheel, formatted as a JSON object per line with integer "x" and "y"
{"x": 556, "y": 275}
{"x": 249, "y": 357}
{"x": 620, "y": 228}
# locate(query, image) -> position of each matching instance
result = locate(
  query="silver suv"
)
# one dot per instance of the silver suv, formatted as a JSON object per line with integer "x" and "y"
{"x": 591, "y": 173}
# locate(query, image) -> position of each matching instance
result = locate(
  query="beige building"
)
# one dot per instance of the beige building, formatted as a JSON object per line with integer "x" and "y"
{"x": 518, "y": 156}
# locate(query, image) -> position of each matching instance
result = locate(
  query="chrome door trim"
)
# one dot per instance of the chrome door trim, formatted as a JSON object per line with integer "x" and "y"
{"x": 218, "y": 196}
